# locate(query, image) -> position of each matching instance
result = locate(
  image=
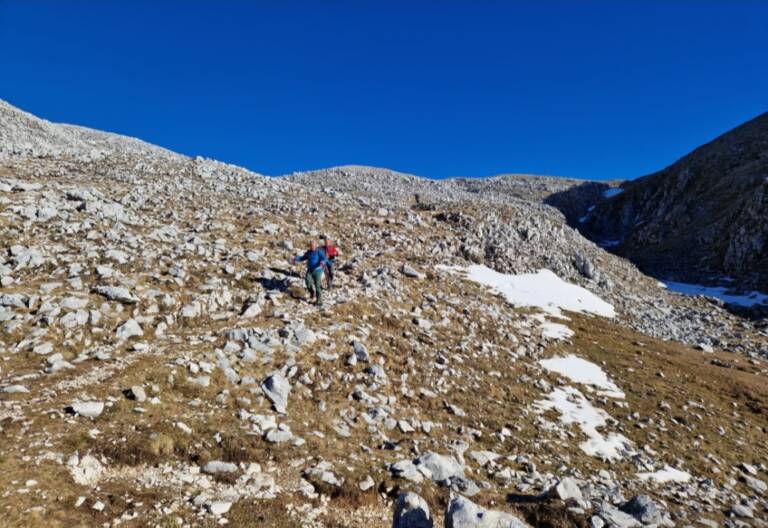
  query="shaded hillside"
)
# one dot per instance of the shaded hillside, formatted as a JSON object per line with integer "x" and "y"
{"x": 702, "y": 219}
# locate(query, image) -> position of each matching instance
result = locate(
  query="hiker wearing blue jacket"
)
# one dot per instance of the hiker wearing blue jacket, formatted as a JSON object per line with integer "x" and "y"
{"x": 316, "y": 263}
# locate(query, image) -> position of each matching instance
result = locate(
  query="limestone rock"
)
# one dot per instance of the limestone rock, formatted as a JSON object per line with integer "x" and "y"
{"x": 463, "y": 513}
{"x": 411, "y": 511}
{"x": 277, "y": 388}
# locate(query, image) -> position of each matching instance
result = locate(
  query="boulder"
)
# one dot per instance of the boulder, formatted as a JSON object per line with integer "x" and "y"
{"x": 14, "y": 389}
{"x": 644, "y": 509}
{"x": 277, "y": 388}
{"x": 463, "y": 513}
{"x": 410, "y": 271}
{"x": 91, "y": 409}
{"x": 116, "y": 293}
{"x": 129, "y": 329}
{"x": 86, "y": 470}
{"x": 566, "y": 489}
{"x": 361, "y": 353}
{"x": 217, "y": 466}
{"x": 441, "y": 467}
{"x": 411, "y": 511}
{"x": 136, "y": 393}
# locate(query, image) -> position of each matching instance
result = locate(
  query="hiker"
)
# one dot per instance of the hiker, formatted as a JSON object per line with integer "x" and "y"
{"x": 331, "y": 252}
{"x": 316, "y": 261}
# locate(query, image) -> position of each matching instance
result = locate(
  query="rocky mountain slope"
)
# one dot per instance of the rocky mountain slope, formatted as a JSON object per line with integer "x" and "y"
{"x": 478, "y": 362}
{"x": 701, "y": 219}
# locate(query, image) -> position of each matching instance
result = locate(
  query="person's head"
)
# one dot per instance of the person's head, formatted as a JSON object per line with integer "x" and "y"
{"x": 328, "y": 242}
{"x": 313, "y": 245}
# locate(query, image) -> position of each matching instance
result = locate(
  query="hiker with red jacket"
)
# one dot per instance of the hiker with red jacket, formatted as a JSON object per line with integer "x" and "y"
{"x": 331, "y": 252}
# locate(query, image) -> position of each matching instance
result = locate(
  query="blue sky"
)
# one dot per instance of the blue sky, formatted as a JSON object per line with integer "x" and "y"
{"x": 575, "y": 88}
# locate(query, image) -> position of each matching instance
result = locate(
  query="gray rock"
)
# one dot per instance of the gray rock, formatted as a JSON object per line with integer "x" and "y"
{"x": 411, "y": 511}
{"x": 277, "y": 388}
{"x": 596, "y": 522}
{"x": 304, "y": 336}
{"x": 757, "y": 485}
{"x": 740, "y": 510}
{"x": 463, "y": 513}
{"x": 361, "y": 352}
{"x": 191, "y": 310}
{"x": 462, "y": 485}
{"x": 136, "y": 393}
{"x": 366, "y": 484}
{"x": 616, "y": 517}
{"x": 276, "y": 436}
{"x": 90, "y": 409}
{"x": 129, "y": 329}
{"x": 483, "y": 458}
{"x": 73, "y": 303}
{"x": 566, "y": 489}
{"x": 410, "y": 271}
{"x": 585, "y": 266}
{"x": 645, "y": 510}
{"x": 251, "y": 310}
{"x": 219, "y": 507}
{"x": 74, "y": 319}
{"x": 217, "y": 466}
{"x": 406, "y": 469}
{"x": 14, "y": 299}
{"x": 14, "y": 389}
{"x": 441, "y": 467}
{"x": 115, "y": 293}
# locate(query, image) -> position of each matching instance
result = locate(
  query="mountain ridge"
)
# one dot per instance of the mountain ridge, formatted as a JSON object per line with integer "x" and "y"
{"x": 702, "y": 218}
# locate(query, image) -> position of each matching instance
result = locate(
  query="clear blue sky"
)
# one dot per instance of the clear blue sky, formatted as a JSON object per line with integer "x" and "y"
{"x": 576, "y": 88}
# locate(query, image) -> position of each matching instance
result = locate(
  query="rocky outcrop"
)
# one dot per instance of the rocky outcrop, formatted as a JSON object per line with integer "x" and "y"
{"x": 699, "y": 220}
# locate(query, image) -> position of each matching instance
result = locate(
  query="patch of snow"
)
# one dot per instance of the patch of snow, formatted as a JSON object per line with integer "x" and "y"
{"x": 542, "y": 289}
{"x": 610, "y": 193}
{"x": 666, "y": 474}
{"x": 751, "y": 298}
{"x": 574, "y": 408}
{"x": 582, "y": 371}
{"x": 609, "y": 243}
{"x": 550, "y": 330}
{"x": 586, "y": 215}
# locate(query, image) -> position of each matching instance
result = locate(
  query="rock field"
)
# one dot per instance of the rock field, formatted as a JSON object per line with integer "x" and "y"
{"x": 160, "y": 364}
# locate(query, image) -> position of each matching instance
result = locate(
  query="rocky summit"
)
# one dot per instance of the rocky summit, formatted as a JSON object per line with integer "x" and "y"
{"x": 477, "y": 362}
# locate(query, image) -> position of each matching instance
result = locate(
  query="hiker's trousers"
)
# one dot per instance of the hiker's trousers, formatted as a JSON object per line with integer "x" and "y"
{"x": 314, "y": 280}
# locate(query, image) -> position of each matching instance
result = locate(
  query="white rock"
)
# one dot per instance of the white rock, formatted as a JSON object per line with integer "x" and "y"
{"x": 86, "y": 471}
{"x": 116, "y": 293}
{"x": 14, "y": 389}
{"x": 566, "y": 489}
{"x": 137, "y": 393}
{"x": 277, "y": 388}
{"x": 217, "y": 466}
{"x": 367, "y": 483}
{"x": 91, "y": 409}
{"x": 219, "y": 507}
{"x": 463, "y": 513}
{"x": 129, "y": 329}
{"x": 411, "y": 511}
